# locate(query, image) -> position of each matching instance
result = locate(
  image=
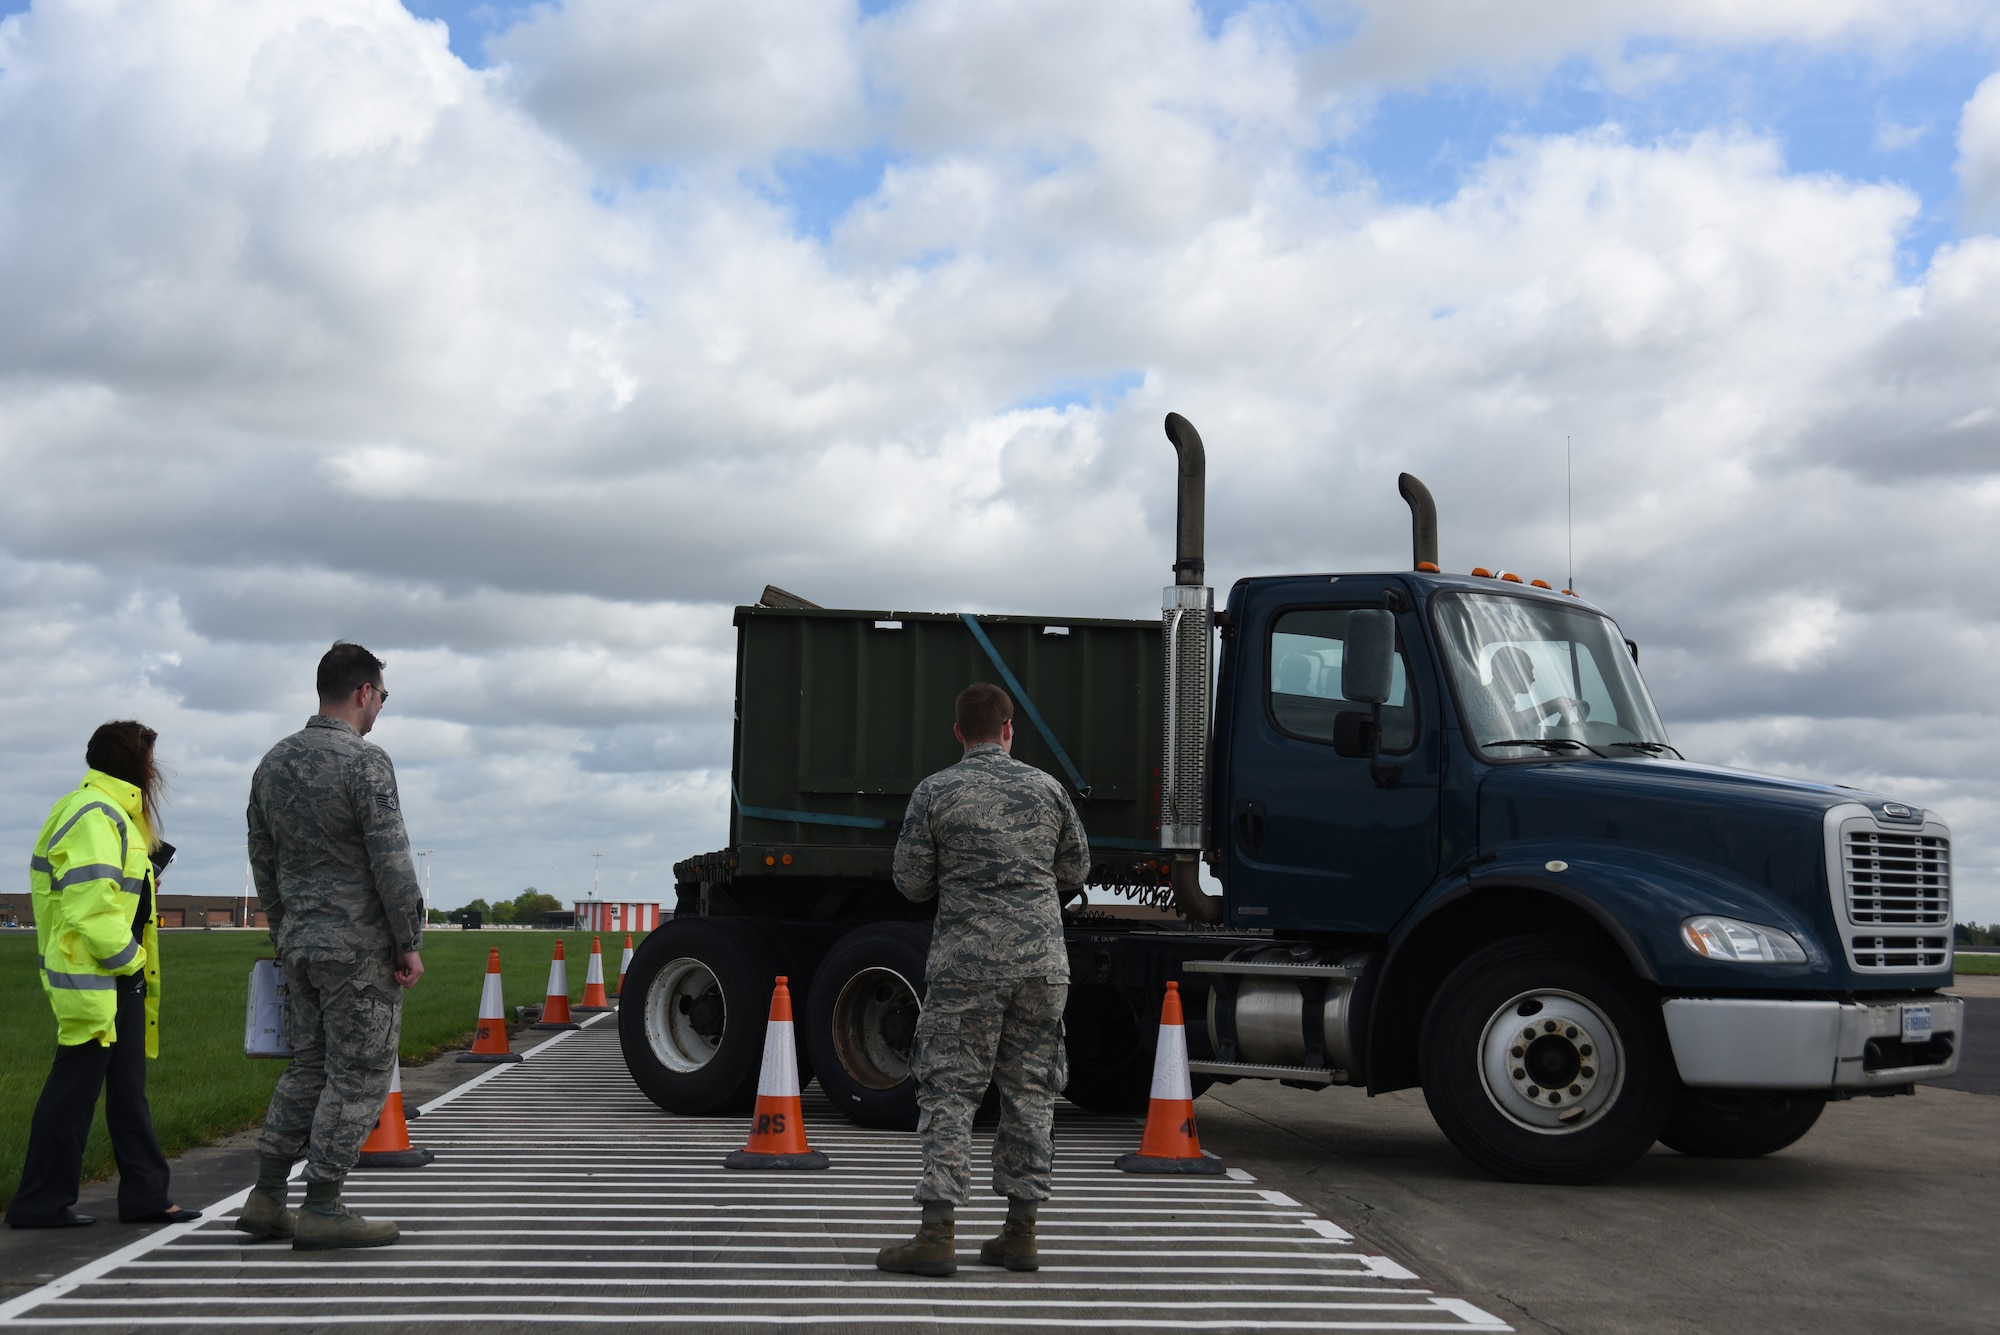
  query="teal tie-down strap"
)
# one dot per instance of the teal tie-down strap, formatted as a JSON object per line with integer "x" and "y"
{"x": 809, "y": 817}
{"x": 1013, "y": 684}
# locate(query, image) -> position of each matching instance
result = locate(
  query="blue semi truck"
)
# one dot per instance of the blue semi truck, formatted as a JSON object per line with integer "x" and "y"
{"x": 1456, "y": 849}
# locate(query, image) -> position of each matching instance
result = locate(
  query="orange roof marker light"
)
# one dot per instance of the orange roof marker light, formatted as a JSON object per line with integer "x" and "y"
{"x": 1572, "y": 593}
{"x": 1541, "y": 584}
{"x": 1482, "y": 572}
{"x": 1510, "y": 577}
{"x": 1428, "y": 567}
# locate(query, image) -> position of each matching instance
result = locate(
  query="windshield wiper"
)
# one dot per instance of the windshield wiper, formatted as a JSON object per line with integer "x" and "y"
{"x": 1549, "y": 744}
{"x": 1649, "y": 748}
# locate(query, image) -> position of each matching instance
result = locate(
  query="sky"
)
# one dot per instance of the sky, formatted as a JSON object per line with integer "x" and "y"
{"x": 521, "y": 342}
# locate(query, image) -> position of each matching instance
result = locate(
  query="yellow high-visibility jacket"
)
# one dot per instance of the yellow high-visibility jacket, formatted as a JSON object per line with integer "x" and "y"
{"x": 91, "y": 863}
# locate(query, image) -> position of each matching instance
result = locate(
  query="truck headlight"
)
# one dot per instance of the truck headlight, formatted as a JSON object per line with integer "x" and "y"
{"x": 1742, "y": 942}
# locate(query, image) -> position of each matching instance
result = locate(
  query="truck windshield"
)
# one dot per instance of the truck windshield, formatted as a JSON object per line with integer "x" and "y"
{"x": 1535, "y": 678}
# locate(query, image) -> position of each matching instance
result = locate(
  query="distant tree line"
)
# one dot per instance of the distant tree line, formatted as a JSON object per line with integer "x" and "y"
{"x": 527, "y": 908}
{"x": 1972, "y": 934}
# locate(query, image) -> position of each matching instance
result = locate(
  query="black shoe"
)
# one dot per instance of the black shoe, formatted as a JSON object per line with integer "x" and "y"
{"x": 67, "y": 1219}
{"x": 175, "y": 1215}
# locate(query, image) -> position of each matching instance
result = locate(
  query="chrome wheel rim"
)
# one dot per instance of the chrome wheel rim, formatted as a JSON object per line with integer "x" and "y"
{"x": 685, "y": 1015}
{"x": 1551, "y": 1062}
{"x": 874, "y": 1027}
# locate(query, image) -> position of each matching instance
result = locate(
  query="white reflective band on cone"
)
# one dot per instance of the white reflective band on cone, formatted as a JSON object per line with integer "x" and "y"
{"x": 396, "y": 1077}
{"x": 595, "y": 973}
{"x": 1170, "y": 1065}
{"x": 491, "y": 1004}
{"x": 558, "y": 977}
{"x": 779, "y": 1076}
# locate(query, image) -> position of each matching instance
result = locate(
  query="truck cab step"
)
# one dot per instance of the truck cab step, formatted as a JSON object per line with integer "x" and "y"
{"x": 1303, "y": 1075}
{"x": 1271, "y": 969}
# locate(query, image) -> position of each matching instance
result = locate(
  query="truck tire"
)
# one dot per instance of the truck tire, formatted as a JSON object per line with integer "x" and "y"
{"x": 693, "y": 1015}
{"x": 1110, "y": 1059}
{"x": 1740, "y": 1123}
{"x": 861, "y": 1021}
{"x": 1541, "y": 1067}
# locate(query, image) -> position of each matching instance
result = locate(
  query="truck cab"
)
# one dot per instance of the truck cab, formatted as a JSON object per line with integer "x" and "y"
{"x": 1543, "y": 914}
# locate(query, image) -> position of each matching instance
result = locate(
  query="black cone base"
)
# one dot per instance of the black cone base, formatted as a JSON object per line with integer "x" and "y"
{"x": 555, "y": 1024}
{"x": 412, "y": 1113}
{"x": 591, "y": 1010}
{"x": 745, "y": 1159}
{"x": 489, "y": 1058}
{"x": 1146, "y": 1163}
{"x": 411, "y": 1158}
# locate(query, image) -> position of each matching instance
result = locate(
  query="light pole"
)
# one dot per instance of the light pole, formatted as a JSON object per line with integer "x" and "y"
{"x": 596, "y": 861}
{"x": 425, "y": 854}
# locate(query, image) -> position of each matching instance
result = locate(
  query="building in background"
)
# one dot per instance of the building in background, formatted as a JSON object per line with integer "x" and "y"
{"x": 16, "y": 910}
{"x": 604, "y": 915}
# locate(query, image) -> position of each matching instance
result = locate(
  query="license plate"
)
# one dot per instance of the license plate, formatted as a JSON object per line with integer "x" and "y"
{"x": 1916, "y": 1024}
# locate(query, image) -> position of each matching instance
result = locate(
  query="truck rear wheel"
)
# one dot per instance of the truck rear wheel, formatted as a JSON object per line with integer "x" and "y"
{"x": 1110, "y": 1061}
{"x": 861, "y": 1022}
{"x": 693, "y": 1014}
{"x": 1740, "y": 1123}
{"x": 1539, "y": 1067}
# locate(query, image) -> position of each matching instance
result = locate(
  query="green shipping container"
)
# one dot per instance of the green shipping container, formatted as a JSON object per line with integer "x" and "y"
{"x": 839, "y": 714}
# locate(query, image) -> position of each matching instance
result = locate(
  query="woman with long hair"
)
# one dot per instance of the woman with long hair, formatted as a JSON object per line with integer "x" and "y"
{"x": 93, "y": 877}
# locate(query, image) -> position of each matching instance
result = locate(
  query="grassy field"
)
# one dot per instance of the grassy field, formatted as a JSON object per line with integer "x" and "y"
{"x": 1983, "y": 964}
{"x": 202, "y": 1087}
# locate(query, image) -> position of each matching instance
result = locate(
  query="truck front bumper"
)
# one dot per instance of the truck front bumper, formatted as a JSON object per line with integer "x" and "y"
{"x": 1740, "y": 1043}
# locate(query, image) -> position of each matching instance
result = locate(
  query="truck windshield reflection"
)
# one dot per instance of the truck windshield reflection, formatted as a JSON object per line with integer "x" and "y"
{"x": 1536, "y": 678}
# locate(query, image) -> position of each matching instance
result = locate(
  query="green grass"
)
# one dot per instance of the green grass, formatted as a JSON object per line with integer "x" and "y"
{"x": 1977, "y": 964}
{"x": 203, "y": 1088}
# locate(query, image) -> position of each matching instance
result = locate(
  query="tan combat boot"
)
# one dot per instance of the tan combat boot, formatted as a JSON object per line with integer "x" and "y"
{"x": 1015, "y": 1247}
{"x": 264, "y": 1214}
{"x": 933, "y": 1251}
{"x": 324, "y": 1223}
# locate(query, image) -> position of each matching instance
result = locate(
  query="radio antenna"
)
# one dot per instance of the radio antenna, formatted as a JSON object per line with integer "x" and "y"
{"x": 1569, "y": 503}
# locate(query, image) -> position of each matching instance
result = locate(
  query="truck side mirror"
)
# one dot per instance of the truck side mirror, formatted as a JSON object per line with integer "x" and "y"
{"x": 1367, "y": 661}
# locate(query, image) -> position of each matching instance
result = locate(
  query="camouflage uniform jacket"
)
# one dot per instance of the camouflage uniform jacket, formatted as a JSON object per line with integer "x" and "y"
{"x": 328, "y": 850}
{"x": 993, "y": 839}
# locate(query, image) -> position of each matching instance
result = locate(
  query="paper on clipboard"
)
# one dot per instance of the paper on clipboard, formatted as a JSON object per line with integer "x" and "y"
{"x": 264, "y": 1033}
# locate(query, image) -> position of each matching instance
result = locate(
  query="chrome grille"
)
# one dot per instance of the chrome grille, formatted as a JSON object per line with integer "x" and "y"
{"x": 1901, "y": 952}
{"x": 1898, "y": 880}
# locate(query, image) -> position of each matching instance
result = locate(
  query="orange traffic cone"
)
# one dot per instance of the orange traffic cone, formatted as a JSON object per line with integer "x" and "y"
{"x": 388, "y": 1145}
{"x": 594, "y": 999}
{"x": 624, "y": 965}
{"x": 489, "y": 1044}
{"x": 778, "y": 1136}
{"x": 1169, "y": 1144}
{"x": 555, "y": 1008}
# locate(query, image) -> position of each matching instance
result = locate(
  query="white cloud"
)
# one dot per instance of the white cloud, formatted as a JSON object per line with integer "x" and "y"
{"x": 349, "y": 340}
{"x": 694, "y": 82}
{"x": 1979, "y": 154}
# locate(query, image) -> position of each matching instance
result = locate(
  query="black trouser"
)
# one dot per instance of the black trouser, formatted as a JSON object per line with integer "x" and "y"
{"x": 50, "y": 1178}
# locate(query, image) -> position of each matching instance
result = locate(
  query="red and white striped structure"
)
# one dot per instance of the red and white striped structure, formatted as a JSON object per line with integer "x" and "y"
{"x": 603, "y": 915}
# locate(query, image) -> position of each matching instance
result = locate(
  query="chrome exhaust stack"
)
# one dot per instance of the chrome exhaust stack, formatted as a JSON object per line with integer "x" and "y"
{"x": 1423, "y": 523}
{"x": 1187, "y": 656}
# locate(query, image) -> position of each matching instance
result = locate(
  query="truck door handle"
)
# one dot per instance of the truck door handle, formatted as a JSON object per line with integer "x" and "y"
{"x": 1250, "y": 826}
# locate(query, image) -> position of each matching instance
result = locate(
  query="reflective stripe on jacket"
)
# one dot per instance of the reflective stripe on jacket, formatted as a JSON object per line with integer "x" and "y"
{"x": 89, "y": 867}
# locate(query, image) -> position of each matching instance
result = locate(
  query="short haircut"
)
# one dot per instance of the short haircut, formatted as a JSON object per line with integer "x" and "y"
{"x": 345, "y": 669}
{"x": 980, "y": 710}
{"x": 124, "y": 750}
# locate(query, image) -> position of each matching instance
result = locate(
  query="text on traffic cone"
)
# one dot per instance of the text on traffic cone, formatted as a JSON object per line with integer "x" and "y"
{"x": 778, "y": 1128}
{"x": 489, "y": 1041}
{"x": 388, "y": 1145}
{"x": 1169, "y": 1144}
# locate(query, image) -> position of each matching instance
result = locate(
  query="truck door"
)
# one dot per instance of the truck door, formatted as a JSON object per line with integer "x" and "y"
{"x": 1314, "y": 842}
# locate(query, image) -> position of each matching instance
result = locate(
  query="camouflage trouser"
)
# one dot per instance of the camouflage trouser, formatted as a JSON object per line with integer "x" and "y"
{"x": 974, "y": 1034}
{"x": 345, "y": 1020}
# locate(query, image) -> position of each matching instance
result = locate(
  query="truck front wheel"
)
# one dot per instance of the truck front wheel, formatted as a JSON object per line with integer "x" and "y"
{"x": 1740, "y": 1123}
{"x": 693, "y": 1014}
{"x": 1540, "y": 1067}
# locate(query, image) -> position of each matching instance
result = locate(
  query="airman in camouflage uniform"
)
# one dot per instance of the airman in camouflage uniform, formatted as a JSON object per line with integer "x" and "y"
{"x": 332, "y": 867}
{"x": 997, "y": 841}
